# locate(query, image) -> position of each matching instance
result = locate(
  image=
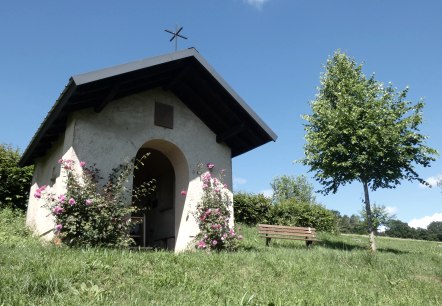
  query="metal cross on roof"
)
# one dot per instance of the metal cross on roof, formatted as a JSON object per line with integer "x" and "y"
{"x": 175, "y": 36}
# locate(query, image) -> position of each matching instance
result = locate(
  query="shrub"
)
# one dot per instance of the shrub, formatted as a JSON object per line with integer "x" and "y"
{"x": 292, "y": 213}
{"x": 250, "y": 208}
{"x": 90, "y": 215}
{"x": 213, "y": 214}
{"x": 15, "y": 182}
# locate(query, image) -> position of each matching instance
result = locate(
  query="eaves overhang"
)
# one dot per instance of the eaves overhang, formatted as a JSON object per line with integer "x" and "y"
{"x": 185, "y": 73}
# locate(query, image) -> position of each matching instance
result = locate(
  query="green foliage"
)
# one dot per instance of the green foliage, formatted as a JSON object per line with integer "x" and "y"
{"x": 290, "y": 187}
{"x": 351, "y": 225}
{"x": 251, "y": 209}
{"x": 292, "y": 213}
{"x": 213, "y": 214}
{"x": 15, "y": 182}
{"x": 362, "y": 131}
{"x": 88, "y": 215}
{"x": 434, "y": 230}
{"x": 380, "y": 216}
{"x": 399, "y": 229}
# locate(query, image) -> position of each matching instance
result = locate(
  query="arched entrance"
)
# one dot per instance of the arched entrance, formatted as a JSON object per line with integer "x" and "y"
{"x": 157, "y": 209}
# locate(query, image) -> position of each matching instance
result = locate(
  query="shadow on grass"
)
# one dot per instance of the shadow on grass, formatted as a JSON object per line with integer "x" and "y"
{"x": 345, "y": 246}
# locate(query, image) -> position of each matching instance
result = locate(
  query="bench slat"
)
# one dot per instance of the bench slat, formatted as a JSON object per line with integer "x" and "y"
{"x": 307, "y": 234}
{"x": 274, "y": 230}
{"x": 284, "y": 227}
{"x": 291, "y": 238}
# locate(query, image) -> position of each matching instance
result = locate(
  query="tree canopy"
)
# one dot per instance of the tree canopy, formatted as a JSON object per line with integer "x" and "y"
{"x": 361, "y": 130}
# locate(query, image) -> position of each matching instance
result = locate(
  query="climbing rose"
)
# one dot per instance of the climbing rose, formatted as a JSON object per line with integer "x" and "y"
{"x": 58, "y": 228}
{"x": 88, "y": 202}
{"x": 210, "y": 166}
{"x": 201, "y": 244}
{"x": 71, "y": 201}
{"x": 38, "y": 192}
{"x": 57, "y": 210}
{"x": 183, "y": 192}
{"x": 82, "y": 164}
{"x": 214, "y": 242}
{"x": 62, "y": 198}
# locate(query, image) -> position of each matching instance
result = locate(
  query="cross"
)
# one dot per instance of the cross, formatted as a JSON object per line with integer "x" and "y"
{"x": 175, "y": 36}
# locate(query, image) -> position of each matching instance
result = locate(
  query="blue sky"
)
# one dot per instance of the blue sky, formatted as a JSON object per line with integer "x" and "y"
{"x": 271, "y": 52}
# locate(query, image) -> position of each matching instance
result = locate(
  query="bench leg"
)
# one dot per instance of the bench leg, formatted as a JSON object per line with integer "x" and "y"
{"x": 268, "y": 241}
{"x": 308, "y": 243}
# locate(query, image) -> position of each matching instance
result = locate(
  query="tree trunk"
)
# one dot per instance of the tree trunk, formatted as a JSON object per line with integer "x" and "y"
{"x": 369, "y": 218}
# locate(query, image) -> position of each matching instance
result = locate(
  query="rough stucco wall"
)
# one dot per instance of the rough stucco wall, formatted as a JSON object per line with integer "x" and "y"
{"x": 47, "y": 172}
{"x": 114, "y": 136}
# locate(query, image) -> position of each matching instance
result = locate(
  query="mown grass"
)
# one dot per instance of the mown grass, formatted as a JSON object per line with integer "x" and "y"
{"x": 337, "y": 271}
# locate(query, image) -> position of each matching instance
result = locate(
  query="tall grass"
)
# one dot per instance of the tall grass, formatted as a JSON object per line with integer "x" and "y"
{"x": 337, "y": 271}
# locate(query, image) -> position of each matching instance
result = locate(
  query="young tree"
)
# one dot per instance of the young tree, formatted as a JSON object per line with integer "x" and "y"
{"x": 361, "y": 131}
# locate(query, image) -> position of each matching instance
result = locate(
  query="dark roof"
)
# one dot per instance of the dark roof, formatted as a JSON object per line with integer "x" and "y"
{"x": 185, "y": 73}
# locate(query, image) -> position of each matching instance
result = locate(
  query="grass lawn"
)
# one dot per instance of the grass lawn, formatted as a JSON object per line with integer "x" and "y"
{"x": 337, "y": 271}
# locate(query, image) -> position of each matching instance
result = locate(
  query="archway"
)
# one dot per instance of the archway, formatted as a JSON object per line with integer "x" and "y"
{"x": 157, "y": 214}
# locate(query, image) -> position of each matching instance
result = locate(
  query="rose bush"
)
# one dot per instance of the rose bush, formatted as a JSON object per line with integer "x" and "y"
{"x": 89, "y": 214}
{"x": 213, "y": 213}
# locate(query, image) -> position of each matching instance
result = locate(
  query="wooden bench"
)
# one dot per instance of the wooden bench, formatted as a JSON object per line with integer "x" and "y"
{"x": 307, "y": 234}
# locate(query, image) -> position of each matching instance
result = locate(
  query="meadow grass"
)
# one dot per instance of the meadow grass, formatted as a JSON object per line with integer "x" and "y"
{"x": 337, "y": 271}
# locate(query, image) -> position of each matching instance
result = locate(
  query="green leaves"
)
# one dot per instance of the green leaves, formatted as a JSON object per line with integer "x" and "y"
{"x": 15, "y": 182}
{"x": 361, "y": 130}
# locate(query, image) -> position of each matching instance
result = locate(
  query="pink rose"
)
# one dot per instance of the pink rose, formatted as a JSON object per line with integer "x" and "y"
{"x": 183, "y": 193}
{"x": 214, "y": 242}
{"x": 38, "y": 192}
{"x": 206, "y": 177}
{"x": 58, "y": 228}
{"x": 71, "y": 201}
{"x": 57, "y": 210}
{"x": 61, "y": 198}
{"x": 201, "y": 244}
{"x": 82, "y": 164}
{"x": 210, "y": 166}
{"x": 88, "y": 202}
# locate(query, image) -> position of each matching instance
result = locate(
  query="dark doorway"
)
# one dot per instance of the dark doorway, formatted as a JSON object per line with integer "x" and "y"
{"x": 157, "y": 215}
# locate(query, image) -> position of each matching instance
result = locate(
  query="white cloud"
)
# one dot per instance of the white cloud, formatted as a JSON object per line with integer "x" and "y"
{"x": 267, "y": 192}
{"x": 239, "y": 181}
{"x": 256, "y": 3}
{"x": 432, "y": 180}
{"x": 391, "y": 210}
{"x": 423, "y": 222}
